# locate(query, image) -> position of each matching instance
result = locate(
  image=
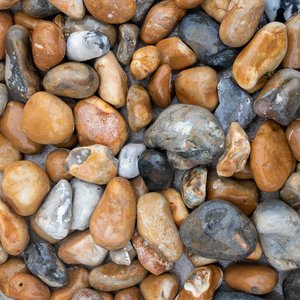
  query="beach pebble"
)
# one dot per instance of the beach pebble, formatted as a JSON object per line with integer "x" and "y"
{"x": 123, "y": 256}
{"x": 281, "y": 10}
{"x": 142, "y": 7}
{"x": 132, "y": 293}
{"x": 8, "y": 153}
{"x": 38, "y": 8}
{"x": 87, "y": 294}
{"x": 6, "y": 22}
{"x": 293, "y": 137}
{"x": 217, "y": 9}
{"x": 223, "y": 295}
{"x": 75, "y": 9}
{"x": 291, "y": 285}
{"x": 290, "y": 192}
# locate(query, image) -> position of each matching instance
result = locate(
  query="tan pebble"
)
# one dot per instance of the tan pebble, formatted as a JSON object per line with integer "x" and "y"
{"x": 132, "y": 293}
{"x": 217, "y": 9}
{"x": 145, "y": 61}
{"x": 6, "y": 21}
{"x": 293, "y": 138}
{"x": 198, "y": 86}
{"x": 237, "y": 151}
{"x": 199, "y": 261}
{"x": 113, "y": 220}
{"x": 176, "y": 53}
{"x": 256, "y": 254}
{"x": 8, "y": 153}
{"x": 97, "y": 122}
{"x": 139, "y": 186}
{"x": 10, "y": 127}
{"x": 69, "y": 143}
{"x": 87, "y": 294}
{"x": 95, "y": 164}
{"x": 73, "y": 8}
{"x": 188, "y": 4}
{"x": 139, "y": 108}
{"x": 5, "y": 4}
{"x": 245, "y": 173}
{"x": 113, "y": 80}
{"x": 104, "y": 296}
{"x": 25, "y": 20}
{"x": 160, "y": 21}
{"x": 160, "y": 86}
{"x": 59, "y": 20}
{"x": 3, "y": 255}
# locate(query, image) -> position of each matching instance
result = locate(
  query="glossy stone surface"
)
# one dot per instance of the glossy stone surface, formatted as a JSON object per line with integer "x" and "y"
{"x": 217, "y": 9}
{"x": 290, "y": 192}
{"x": 291, "y": 285}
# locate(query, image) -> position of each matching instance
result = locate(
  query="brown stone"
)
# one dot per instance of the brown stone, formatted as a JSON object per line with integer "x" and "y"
{"x": 132, "y": 293}
{"x": 104, "y": 296}
{"x": 87, "y": 294}
{"x": 245, "y": 173}
{"x": 5, "y": 4}
{"x": 97, "y": 122}
{"x": 254, "y": 279}
{"x": 145, "y": 61}
{"x": 8, "y": 153}
{"x": 113, "y": 277}
{"x": 113, "y": 220}
{"x": 293, "y": 138}
{"x": 139, "y": 186}
{"x": 241, "y": 21}
{"x": 237, "y": 151}
{"x": 176, "y": 53}
{"x": 138, "y": 108}
{"x": 69, "y": 143}
{"x": 256, "y": 254}
{"x": 14, "y": 234}
{"x": 201, "y": 283}
{"x": 59, "y": 20}
{"x": 198, "y": 86}
{"x": 6, "y": 21}
{"x": 188, "y": 4}
{"x": 217, "y": 9}
{"x": 55, "y": 165}
{"x": 10, "y": 127}
{"x": 24, "y": 186}
{"x": 3, "y": 255}
{"x": 160, "y": 21}
{"x": 48, "y": 45}
{"x": 47, "y": 119}
{"x": 199, "y": 261}
{"x": 113, "y": 84}
{"x": 160, "y": 86}
{"x": 292, "y": 57}
{"x": 72, "y": 8}
{"x": 78, "y": 278}
{"x": 111, "y": 11}
{"x": 241, "y": 193}
{"x": 25, "y": 20}
{"x": 263, "y": 54}
{"x": 271, "y": 160}
{"x": 155, "y": 224}
{"x": 177, "y": 207}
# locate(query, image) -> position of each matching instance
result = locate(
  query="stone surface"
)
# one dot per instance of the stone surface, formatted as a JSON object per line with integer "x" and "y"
{"x": 217, "y": 9}
{"x": 223, "y": 295}
{"x": 2, "y": 71}
{"x": 219, "y": 230}
{"x": 73, "y": 8}
{"x": 3, "y": 255}
{"x": 281, "y": 10}
{"x": 291, "y": 285}
{"x": 123, "y": 256}
{"x": 8, "y": 153}
{"x": 5, "y": 4}
{"x": 293, "y": 137}
{"x": 86, "y": 294}
{"x": 6, "y": 22}
{"x": 188, "y": 4}
{"x": 132, "y": 293}
{"x": 290, "y": 192}
{"x": 38, "y": 8}
{"x": 142, "y": 7}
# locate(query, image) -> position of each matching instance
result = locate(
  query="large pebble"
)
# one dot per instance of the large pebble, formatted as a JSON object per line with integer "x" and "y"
{"x": 189, "y": 131}
{"x": 38, "y": 8}
{"x": 218, "y": 230}
{"x": 113, "y": 220}
{"x": 271, "y": 159}
{"x": 6, "y": 21}
{"x": 75, "y": 9}
{"x": 291, "y": 285}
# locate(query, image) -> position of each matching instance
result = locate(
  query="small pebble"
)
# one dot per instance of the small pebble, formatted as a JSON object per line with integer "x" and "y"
{"x": 75, "y": 9}
{"x": 142, "y": 7}
{"x": 8, "y": 153}
{"x": 293, "y": 137}
{"x": 38, "y": 8}
{"x": 132, "y": 293}
{"x": 123, "y": 256}
{"x": 290, "y": 192}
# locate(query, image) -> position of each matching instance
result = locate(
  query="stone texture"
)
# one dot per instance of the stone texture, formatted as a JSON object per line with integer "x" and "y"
{"x": 290, "y": 192}
{"x": 293, "y": 137}
{"x": 123, "y": 256}
{"x": 73, "y": 8}
{"x": 291, "y": 285}
{"x": 281, "y": 10}
{"x": 38, "y": 8}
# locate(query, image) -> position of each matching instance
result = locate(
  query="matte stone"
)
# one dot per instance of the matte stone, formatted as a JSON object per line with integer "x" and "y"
{"x": 290, "y": 193}
{"x": 222, "y": 295}
{"x": 219, "y": 230}
{"x": 3, "y": 97}
{"x": 38, "y": 8}
{"x": 281, "y": 10}
{"x": 291, "y": 285}
{"x": 142, "y": 7}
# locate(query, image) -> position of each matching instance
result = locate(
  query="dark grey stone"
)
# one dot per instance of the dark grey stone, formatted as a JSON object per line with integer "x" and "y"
{"x": 281, "y": 10}
{"x": 39, "y": 8}
{"x": 142, "y": 7}
{"x": 224, "y": 295}
{"x": 291, "y": 285}
{"x": 290, "y": 193}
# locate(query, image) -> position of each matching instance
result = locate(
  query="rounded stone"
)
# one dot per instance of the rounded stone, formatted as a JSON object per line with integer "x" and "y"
{"x": 188, "y": 4}
{"x": 290, "y": 192}
{"x": 291, "y": 285}
{"x": 6, "y": 21}
{"x": 123, "y": 256}
{"x": 75, "y": 9}
{"x": 8, "y": 153}
{"x": 142, "y": 7}
{"x": 217, "y": 9}
{"x": 86, "y": 294}
{"x": 26, "y": 20}
{"x": 293, "y": 137}
{"x": 223, "y": 295}
{"x": 132, "y": 293}
{"x": 38, "y": 8}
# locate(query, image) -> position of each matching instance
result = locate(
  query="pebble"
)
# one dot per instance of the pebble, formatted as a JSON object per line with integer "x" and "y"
{"x": 201, "y": 283}
{"x": 113, "y": 277}
{"x": 52, "y": 221}
{"x": 86, "y": 294}
{"x": 97, "y": 122}
{"x": 142, "y": 7}
{"x": 251, "y": 65}
{"x": 24, "y": 186}
{"x": 223, "y": 295}
{"x": 112, "y": 12}
{"x": 188, "y": 4}
{"x": 271, "y": 159}
{"x": 79, "y": 248}
{"x": 292, "y": 57}
{"x": 38, "y": 8}
{"x": 2, "y": 71}
{"x": 176, "y": 53}
{"x": 48, "y": 45}
{"x": 293, "y": 138}
{"x": 217, "y": 9}
{"x": 47, "y": 119}
{"x": 139, "y": 186}
{"x": 8, "y": 153}
{"x": 278, "y": 227}
{"x": 132, "y": 293}
{"x": 61, "y": 81}
{"x": 249, "y": 278}
{"x": 235, "y": 104}
{"x": 113, "y": 220}
{"x": 153, "y": 213}
{"x": 85, "y": 198}
{"x": 78, "y": 278}
{"x": 6, "y": 22}
{"x": 281, "y": 10}
{"x": 10, "y": 127}
{"x": 163, "y": 287}
{"x": 41, "y": 260}
{"x": 217, "y": 229}
{"x": 128, "y": 160}
{"x": 69, "y": 143}
{"x": 193, "y": 187}
{"x": 160, "y": 21}
{"x": 190, "y": 131}
{"x": 113, "y": 80}
{"x": 237, "y": 151}
{"x": 14, "y": 236}
{"x": 5, "y": 4}
{"x": 198, "y": 86}
{"x": 3, "y": 97}
{"x": 199, "y": 261}
{"x": 75, "y": 9}
{"x": 241, "y": 193}
{"x": 3, "y": 255}
{"x": 94, "y": 164}
{"x": 123, "y": 256}
{"x": 145, "y": 61}
{"x": 240, "y": 22}
{"x": 128, "y": 39}
{"x": 24, "y": 81}
{"x": 291, "y": 285}
{"x": 180, "y": 163}
{"x": 290, "y": 192}
{"x": 201, "y": 33}
{"x": 139, "y": 108}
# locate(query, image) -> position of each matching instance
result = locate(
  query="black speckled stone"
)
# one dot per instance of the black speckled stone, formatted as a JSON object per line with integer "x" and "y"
{"x": 291, "y": 285}
{"x": 39, "y": 8}
{"x": 281, "y": 10}
{"x": 201, "y": 33}
{"x": 142, "y": 7}
{"x": 235, "y": 105}
{"x": 217, "y": 229}
{"x": 156, "y": 170}
{"x": 224, "y": 295}
{"x": 42, "y": 262}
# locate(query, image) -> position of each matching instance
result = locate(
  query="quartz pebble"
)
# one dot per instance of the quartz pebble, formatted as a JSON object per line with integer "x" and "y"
{"x": 291, "y": 285}
{"x": 38, "y": 8}
{"x": 6, "y": 22}
{"x": 123, "y": 256}
{"x": 75, "y": 9}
